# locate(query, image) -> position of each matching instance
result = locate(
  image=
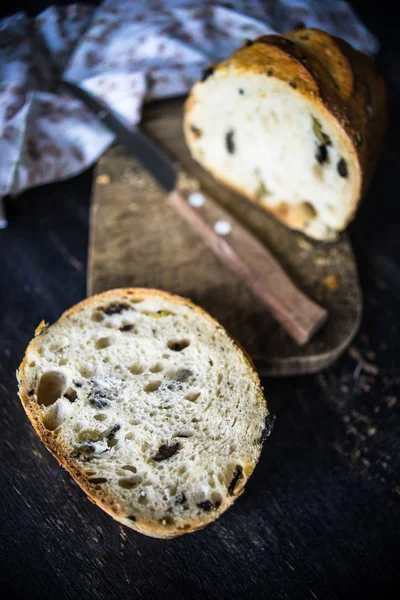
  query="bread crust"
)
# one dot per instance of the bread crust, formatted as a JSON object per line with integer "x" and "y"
{"x": 99, "y": 497}
{"x": 341, "y": 82}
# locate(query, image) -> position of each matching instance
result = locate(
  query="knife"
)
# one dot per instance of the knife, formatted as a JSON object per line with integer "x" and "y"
{"x": 232, "y": 243}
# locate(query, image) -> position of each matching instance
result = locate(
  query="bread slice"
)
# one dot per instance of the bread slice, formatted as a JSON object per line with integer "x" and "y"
{"x": 293, "y": 122}
{"x": 150, "y": 405}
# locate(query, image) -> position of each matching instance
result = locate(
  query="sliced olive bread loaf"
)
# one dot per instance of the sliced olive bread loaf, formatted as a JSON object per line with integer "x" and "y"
{"x": 293, "y": 122}
{"x": 150, "y": 405}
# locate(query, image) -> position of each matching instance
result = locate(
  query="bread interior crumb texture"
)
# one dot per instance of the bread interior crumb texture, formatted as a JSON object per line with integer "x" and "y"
{"x": 263, "y": 137}
{"x": 151, "y": 403}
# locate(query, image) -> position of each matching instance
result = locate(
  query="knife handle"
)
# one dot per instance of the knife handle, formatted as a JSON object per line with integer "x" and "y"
{"x": 245, "y": 256}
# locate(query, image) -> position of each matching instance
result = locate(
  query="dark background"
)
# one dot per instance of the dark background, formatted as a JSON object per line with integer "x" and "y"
{"x": 320, "y": 518}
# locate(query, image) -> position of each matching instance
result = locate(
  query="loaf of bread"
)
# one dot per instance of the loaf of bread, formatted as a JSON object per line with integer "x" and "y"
{"x": 293, "y": 122}
{"x": 150, "y": 405}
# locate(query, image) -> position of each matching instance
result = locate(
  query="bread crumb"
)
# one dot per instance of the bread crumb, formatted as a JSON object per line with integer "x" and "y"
{"x": 321, "y": 261}
{"x": 370, "y": 368}
{"x": 391, "y": 401}
{"x": 332, "y": 282}
{"x": 371, "y": 431}
{"x": 103, "y": 179}
{"x": 363, "y": 365}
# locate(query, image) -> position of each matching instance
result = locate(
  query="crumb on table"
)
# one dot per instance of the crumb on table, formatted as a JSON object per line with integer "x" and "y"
{"x": 332, "y": 282}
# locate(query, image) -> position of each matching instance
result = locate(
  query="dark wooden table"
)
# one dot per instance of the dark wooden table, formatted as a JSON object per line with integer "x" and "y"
{"x": 321, "y": 516}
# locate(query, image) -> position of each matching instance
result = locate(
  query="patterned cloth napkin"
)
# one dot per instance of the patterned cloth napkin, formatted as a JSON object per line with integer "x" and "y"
{"x": 126, "y": 52}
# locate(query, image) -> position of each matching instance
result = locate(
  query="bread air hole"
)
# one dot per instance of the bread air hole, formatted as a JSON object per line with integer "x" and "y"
{"x": 157, "y": 368}
{"x": 178, "y": 345}
{"x": 70, "y": 394}
{"x": 171, "y": 489}
{"x": 167, "y": 520}
{"x": 129, "y": 468}
{"x": 87, "y": 371}
{"x": 52, "y": 419}
{"x": 98, "y": 316}
{"x": 299, "y": 214}
{"x": 192, "y": 397}
{"x": 62, "y": 362}
{"x": 136, "y": 369}
{"x": 159, "y": 314}
{"x": 142, "y": 499}
{"x": 98, "y": 480}
{"x": 318, "y": 171}
{"x": 127, "y": 327}
{"x": 216, "y": 499}
{"x": 308, "y": 210}
{"x": 182, "y": 434}
{"x": 152, "y": 386}
{"x": 183, "y": 375}
{"x": 100, "y": 417}
{"x": 55, "y": 347}
{"x": 129, "y": 483}
{"x": 51, "y": 387}
{"x": 111, "y": 441}
{"x": 102, "y": 343}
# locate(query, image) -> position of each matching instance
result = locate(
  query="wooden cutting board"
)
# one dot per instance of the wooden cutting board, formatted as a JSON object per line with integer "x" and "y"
{"x": 136, "y": 239}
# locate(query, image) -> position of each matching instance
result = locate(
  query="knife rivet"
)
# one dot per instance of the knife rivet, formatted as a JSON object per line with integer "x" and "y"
{"x": 222, "y": 227}
{"x": 196, "y": 199}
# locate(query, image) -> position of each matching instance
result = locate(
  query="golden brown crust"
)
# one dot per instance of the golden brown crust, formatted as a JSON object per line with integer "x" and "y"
{"x": 49, "y": 438}
{"x": 342, "y": 82}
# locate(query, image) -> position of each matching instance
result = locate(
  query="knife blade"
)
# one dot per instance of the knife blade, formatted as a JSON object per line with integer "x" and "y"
{"x": 150, "y": 156}
{"x": 235, "y": 246}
